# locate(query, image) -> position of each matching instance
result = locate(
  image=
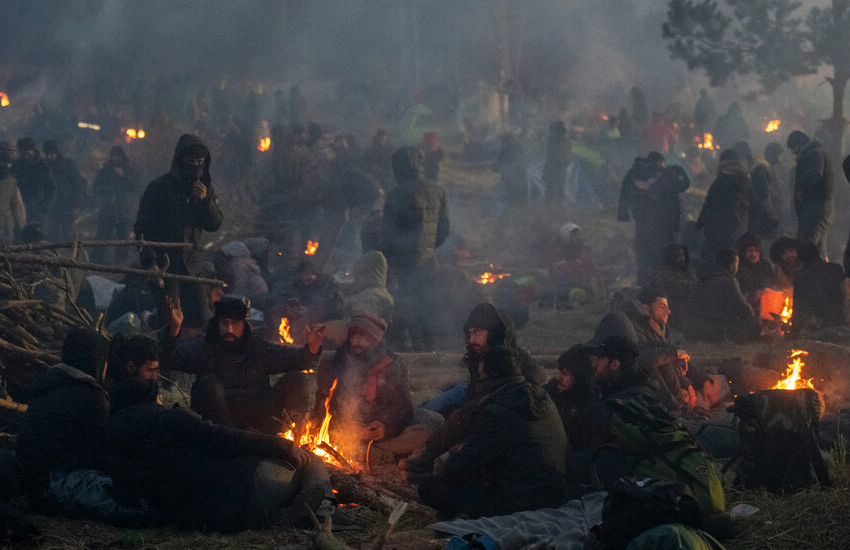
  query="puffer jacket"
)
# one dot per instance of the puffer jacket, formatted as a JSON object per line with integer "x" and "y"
{"x": 368, "y": 293}
{"x": 415, "y": 223}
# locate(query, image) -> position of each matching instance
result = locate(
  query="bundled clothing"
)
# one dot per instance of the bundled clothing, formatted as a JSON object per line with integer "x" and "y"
{"x": 813, "y": 190}
{"x": 321, "y": 298}
{"x": 726, "y": 212}
{"x": 752, "y": 277}
{"x": 37, "y": 185}
{"x": 716, "y": 309}
{"x": 114, "y": 189}
{"x": 70, "y": 194}
{"x": 820, "y": 297}
{"x": 368, "y": 292}
{"x": 242, "y": 273}
{"x": 674, "y": 280}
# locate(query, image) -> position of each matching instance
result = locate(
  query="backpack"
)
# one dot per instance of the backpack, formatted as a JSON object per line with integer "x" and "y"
{"x": 651, "y": 444}
{"x": 778, "y": 431}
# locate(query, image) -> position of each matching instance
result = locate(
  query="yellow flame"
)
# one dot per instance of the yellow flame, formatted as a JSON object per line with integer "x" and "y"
{"x": 283, "y": 332}
{"x": 265, "y": 144}
{"x": 4, "y": 100}
{"x": 773, "y": 126}
{"x": 489, "y": 277}
{"x": 131, "y": 133}
{"x": 141, "y": 134}
{"x": 311, "y": 442}
{"x": 787, "y": 311}
{"x": 312, "y": 247}
{"x": 793, "y": 379}
{"x": 707, "y": 142}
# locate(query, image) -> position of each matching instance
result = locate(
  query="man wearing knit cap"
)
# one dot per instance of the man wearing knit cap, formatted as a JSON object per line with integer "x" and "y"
{"x": 232, "y": 368}
{"x": 371, "y": 401}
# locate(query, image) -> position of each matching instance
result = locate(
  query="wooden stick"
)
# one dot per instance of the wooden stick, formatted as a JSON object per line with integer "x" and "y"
{"x": 91, "y": 244}
{"x": 334, "y": 453}
{"x": 42, "y": 355}
{"x": 14, "y": 257}
{"x": 7, "y": 403}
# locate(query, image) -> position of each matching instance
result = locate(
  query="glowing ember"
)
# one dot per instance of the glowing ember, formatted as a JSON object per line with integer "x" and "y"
{"x": 312, "y": 247}
{"x": 133, "y": 133}
{"x": 283, "y": 331}
{"x": 265, "y": 144}
{"x": 489, "y": 277}
{"x": 707, "y": 142}
{"x": 772, "y": 126}
{"x": 793, "y": 380}
{"x": 4, "y": 100}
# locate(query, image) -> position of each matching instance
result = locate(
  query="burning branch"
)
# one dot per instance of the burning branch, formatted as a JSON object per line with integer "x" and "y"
{"x": 793, "y": 380}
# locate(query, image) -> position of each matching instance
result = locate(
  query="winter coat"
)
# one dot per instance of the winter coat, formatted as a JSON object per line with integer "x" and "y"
{"x": 656, "y": 207}
{"x": 243, "y": 274}
{"x": 168, "y": 213}
{"x": 243, "y": 373}
{"x": 754, "y": 277}
{"x": 415, "y": 223}
{"x": 516, "y": 444}
{"x": 675, "y": 282}
{"x": 13, "y": 214}
{"x": 716, "y": 309}
{"x": 64, "y": 426}
{"x": 725, "y": 214}
{"x": 37, "y": 185}
{"x": 70, "y": 185}
{"x": 646, "y": 333}
{"x": 114, "y": 193}
{"x": 764, "y": 218}
{"x": 368, "y": 293}
{"x": 371, "y": 389}
{"x": 511, "y": 165}
{"x": 813, "y": 183}
{"x": 191, "y": 472}
{"x": 820, "y": 298}
{"x": 322, "y": 298}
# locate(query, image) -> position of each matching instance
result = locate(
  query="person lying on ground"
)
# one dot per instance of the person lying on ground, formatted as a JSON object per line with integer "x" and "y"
{"x": 233, "y": 365}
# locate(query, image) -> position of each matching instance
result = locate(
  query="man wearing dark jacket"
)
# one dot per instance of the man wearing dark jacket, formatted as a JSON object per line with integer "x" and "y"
{"x": 674, "y": 278}
{"x": 652, "y": 326}
{"x": 36, "y": 182}
{"x": 64, "y": 427}
{"x": 754, "y": 271}
{"x": 113, "y": 189}
{"x": 233, "y": 366}
{"x": 177, "y": 207}
{"x": 514, "y": 456}
{"x": 820, "y": 297}
{"x": 13, "y": 215}
{"x": 415, "y": 223}
{"x": 70, "y": 191}
{"x": 813, "y": 187}
{"x": 763, "y": 222}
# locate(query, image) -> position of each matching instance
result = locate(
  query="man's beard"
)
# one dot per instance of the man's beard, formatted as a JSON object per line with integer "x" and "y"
{"x": 231, "y": 345}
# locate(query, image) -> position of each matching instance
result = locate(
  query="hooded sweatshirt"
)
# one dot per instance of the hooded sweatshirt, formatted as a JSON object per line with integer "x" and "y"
{"x": 169, "y": 213}
{"x": 368, "y": 293}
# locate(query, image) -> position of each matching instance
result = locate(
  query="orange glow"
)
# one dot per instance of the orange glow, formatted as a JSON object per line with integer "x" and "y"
{"x": 4, "y": 100}
{"x": 489, "y": 277}
{"x": 312, "y": 247}
{"x": 707, "y": 142}
{"x": 787, "y": 311}
{"x": 265, "y": 144}
{"x": 772, "y": 126}
{"x": 283, "y": 332}
{"x": 141, "y": 134}
{"x": 793, "y": 379}
{"x": 131, "y": 133}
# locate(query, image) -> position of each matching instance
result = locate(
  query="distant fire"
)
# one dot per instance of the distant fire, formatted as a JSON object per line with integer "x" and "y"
{"x": 772, "y": 126}
{"x": 707, "y": 142}
{"x": 133, "y": 133}
{"x": 265, "y": 144}
{"x": 88, "y": 126}
{"x": 488, "y": 277}
{"x": 4, "y": 100}
{"x": 312, "y": 247}
{"x": 283, "y": 331}
{"x": 793, "y": 379}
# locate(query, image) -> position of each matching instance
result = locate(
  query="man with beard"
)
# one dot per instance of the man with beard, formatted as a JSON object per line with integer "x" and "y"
{"x": 785, "y": 255}
{"x": 36, "y": 182}
{"x": 13, "y": 215}
{"x": 652, "y": 326}
{"x": 70, "y": 191}
{"x": 232, "y": 368}
{"x": 114, "y": 187}
{"x": 177, "y": 207}
{"x": 755, "y": 273}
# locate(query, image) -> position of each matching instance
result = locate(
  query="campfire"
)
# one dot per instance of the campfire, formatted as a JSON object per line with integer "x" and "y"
{"x": 283, "y": 331}
{"x": 489, "y": 277}
{"x": 133, "y": 133}
{"x": 772, "y": 126}
{"x": 707, "y": 142}
{"x": 4, "y": 100}
{"x": 793, "y": 379}
{"x": 265, "y": 144}
{"x": 312, "y": 247}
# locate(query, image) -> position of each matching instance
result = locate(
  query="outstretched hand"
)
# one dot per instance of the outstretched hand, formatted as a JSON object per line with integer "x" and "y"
{"x": 175, "y": 315}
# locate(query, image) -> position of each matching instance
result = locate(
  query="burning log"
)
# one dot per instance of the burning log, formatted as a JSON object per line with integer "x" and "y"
{"x": 378, "y": 493}
{"x": 337, "y": 456}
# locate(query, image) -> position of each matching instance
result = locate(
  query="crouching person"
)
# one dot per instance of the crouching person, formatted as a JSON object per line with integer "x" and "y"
{"x": 200, "y": 475}
{"x": 371, "y": 401}
{"x": 514, "y": 455}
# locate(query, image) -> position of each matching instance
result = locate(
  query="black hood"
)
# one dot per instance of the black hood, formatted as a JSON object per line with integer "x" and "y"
{"x": 497, "y": 322}
{"x": 60, "y": 376}
{"x": 183, "y": 144}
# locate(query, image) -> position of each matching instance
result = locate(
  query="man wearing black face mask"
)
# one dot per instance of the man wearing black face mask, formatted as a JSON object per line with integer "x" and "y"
{"x": 13, "y": 215}
{"x": 178, "y": 207}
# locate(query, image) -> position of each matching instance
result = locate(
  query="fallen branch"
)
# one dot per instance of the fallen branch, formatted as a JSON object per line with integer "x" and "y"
{"x": 91, "y": 244}
{"x": 41, "y": 355}
{"x": 34, "y": 259}
{"x": 337, "y": 456}
{"x": 372, "y": 493}
{"x": 7, "y": 403}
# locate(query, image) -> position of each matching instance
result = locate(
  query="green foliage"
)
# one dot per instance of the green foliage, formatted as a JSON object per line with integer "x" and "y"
{"x": 772, "y": 39}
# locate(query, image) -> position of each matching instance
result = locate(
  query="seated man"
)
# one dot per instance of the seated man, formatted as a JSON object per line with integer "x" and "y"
{"x": 820, "y": 297}
{"x": 513, "y": 457}
{"x": 652, "y": 327}
{"x": 785, "y": 255}
{"x": 571, "y": 265}
{"x": 64, "y": 429}
{"x": 371, "y": 401}
{"x": 716, "y": 309}
{"x": 674, "y": 278}
{"x": 200, "y": 475}
{"x": 754, "y": 271}
{"x": 316, "y": 294}
{"x": 233, "y": 366}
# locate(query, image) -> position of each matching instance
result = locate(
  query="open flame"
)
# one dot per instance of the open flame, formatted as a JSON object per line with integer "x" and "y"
{"x": 793, "y": 379}
{"x": 488, "y": 277}
{"x": 265, "y": 144}
{"x": 133, "y": 133}
{"x": 4, "y": 100}
{"x": 312, "y": 247}
{"x": 283, "y": 331}
{"x": 787, "y": 311}
{"x": 772, "y": 126}
{"x": 707, "y": 142}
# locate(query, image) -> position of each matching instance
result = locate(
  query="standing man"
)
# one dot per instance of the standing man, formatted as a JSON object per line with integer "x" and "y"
{"x": 13, "y": 215}
{"x": 114, "y": 187}
{"x": 70, "y": 191}
{"x": 812, "y": 190}
{"x": 415, "y": 223}
{"x": 36, "y": 182}
{"x": 177, "y": 207}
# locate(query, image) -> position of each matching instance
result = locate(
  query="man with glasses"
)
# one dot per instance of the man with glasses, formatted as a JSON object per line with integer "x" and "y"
{"x": 178, "y": 207}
